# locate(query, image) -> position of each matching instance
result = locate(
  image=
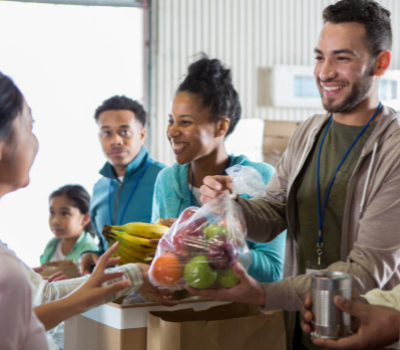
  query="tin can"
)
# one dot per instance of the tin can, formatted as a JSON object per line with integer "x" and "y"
{"x": 329, "y": 321}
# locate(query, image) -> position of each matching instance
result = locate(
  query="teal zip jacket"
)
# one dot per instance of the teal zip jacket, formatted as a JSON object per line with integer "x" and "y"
{"x": 138, "y": 208}
{"x": 85, "y": 242}
{"x": 172, "y": 196}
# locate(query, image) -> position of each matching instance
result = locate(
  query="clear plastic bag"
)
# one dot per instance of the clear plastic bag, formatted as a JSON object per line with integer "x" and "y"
{"x": 202, "y": 245}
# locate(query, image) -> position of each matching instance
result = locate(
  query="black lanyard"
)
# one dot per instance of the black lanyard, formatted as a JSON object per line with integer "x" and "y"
{"x": 321, "y": 211}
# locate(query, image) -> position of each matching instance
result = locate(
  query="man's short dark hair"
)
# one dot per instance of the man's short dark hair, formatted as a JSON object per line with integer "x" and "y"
{"x": 122, "y": 103}
{"x": 375, "y": 18}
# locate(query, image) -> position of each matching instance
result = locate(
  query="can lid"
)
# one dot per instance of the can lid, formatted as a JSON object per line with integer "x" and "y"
{"x": 330, "y": 280}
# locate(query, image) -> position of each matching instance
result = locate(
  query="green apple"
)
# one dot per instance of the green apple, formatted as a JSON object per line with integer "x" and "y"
{"x": 215, "y": 231}
{"x": 227, "y": 278}
{"x": 198, "y": 273}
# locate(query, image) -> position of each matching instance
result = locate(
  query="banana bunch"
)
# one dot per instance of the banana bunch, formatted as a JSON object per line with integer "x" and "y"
{"x": 134, "y": 240}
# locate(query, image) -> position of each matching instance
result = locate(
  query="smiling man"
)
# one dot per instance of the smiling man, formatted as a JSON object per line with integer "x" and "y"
{"x": 337, "y": 187}
{"x": 125, "y": 192}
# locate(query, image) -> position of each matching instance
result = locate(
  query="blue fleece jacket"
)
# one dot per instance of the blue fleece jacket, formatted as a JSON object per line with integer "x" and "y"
{"x": 172, "y": 196}
{"x": 138, "y": 208}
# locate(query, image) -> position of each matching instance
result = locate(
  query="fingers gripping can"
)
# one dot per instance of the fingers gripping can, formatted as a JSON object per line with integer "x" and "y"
{"x": 329, "y": 321}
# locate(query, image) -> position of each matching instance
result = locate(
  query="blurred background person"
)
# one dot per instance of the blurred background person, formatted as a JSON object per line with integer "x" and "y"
{"x": 69, "y": 220}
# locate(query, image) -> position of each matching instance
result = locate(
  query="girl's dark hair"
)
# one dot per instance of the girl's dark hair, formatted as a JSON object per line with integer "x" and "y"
{"x": 80, "y": 199}
{"x": 11, "y": 105}
{"x": 212, "y": 82}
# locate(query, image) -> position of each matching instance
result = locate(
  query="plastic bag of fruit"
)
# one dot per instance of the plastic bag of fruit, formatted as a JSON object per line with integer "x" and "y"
{"x": 202, "y": 245}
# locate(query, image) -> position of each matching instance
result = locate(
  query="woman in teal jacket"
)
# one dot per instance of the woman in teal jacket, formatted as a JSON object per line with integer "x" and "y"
{"x": 205, "y": 110}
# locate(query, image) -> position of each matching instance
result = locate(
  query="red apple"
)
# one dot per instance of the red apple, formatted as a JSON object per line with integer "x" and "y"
{"x": 221, "y": 253}
{"x": 188, "y": 242}
{"x": 186, "y": 214}
{"x": 192, "y": 223}
{"x": 188, "y": 238}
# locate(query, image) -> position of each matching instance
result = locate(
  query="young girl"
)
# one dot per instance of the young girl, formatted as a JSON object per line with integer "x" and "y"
{"x": 70, "y": 222}
{"x": 205, "y": 110}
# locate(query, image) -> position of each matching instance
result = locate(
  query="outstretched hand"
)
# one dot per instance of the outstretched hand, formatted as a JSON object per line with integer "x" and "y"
{"x": 92, "y": 292}
{"x": 248, "y": 290}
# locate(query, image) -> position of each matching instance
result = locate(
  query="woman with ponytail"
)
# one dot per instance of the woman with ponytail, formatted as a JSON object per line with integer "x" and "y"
{"x": 204, "y": 112}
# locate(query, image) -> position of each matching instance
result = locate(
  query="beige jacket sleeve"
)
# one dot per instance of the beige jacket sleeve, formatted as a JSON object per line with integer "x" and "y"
{"x": 384, "y": 298}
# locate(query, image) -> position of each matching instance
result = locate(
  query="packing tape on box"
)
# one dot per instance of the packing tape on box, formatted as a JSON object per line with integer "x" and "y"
{"x": 135, "y": 316}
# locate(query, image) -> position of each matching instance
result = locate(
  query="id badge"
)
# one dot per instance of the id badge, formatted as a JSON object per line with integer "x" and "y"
{"x": 312, "y": 267}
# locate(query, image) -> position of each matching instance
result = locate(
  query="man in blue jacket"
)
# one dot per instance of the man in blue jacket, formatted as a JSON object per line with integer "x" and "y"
{"x": 125, "y": 192}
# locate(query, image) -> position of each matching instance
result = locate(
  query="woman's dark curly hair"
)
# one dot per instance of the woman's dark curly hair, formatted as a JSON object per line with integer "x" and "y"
{"x": 211, "y": 81}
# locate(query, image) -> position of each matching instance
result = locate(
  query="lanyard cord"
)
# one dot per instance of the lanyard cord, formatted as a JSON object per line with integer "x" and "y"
{"x": 228, "y": 163}
{"x": 129, "y": 198}
{"x": 321, "y": 212}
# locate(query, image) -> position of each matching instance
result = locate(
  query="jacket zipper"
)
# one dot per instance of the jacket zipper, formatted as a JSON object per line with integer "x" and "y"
{"x": 116, "y": 203}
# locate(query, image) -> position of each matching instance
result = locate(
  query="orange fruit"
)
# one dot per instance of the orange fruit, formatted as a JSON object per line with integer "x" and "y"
{"x": 167, "y": 269}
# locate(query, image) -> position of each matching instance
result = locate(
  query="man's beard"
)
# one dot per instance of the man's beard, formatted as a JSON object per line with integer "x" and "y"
{"x": 356, "y": 95}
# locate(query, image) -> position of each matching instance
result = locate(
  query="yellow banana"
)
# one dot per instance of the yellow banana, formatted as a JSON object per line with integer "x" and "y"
{"x": 145, "y": 235}
{"x": 142, "y": 229}
{"x": 128, "y": 258}
{"x": 142, "y": 249}
{"x": 131, "y": 241}
{"x": 129, "y": 252}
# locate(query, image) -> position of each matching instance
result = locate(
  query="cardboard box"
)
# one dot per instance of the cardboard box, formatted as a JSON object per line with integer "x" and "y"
{"x": 68, "y": 267}
{"x": 276, "y": 139}
{"x": 114, "y": 326}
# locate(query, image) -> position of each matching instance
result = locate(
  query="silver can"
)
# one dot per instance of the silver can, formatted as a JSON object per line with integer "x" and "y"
{"x": 329, "y": 321}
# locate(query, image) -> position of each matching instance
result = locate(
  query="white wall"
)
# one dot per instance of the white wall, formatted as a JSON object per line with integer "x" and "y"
{"x": 249, "y": 36}
{"x": 66, "y": 60}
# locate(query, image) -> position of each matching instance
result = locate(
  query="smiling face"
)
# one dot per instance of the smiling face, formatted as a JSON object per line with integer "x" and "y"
{"x": 18, "y": 152}
{"x": 190, "y": 130}
{"x": 122, "y": 137}
{"x": 344, "y": 69}
{"x": 66, "y": 220}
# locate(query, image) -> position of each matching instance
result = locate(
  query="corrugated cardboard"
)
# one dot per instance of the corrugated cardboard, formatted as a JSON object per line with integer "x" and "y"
{"x": 276, "y": 139}
{"x": 68, "y": 267}
{"x": 234, "y": 326}
{"x": 114, "y": 326}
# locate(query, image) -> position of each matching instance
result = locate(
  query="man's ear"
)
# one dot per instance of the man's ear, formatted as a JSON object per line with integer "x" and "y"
{"x": 222, "y": 127}
{"x": 143, "y": 133}
{"x": 382, "y": 62}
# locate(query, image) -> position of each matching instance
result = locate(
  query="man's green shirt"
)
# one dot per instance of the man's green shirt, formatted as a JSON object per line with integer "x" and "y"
{"x": 337, "y": 141}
